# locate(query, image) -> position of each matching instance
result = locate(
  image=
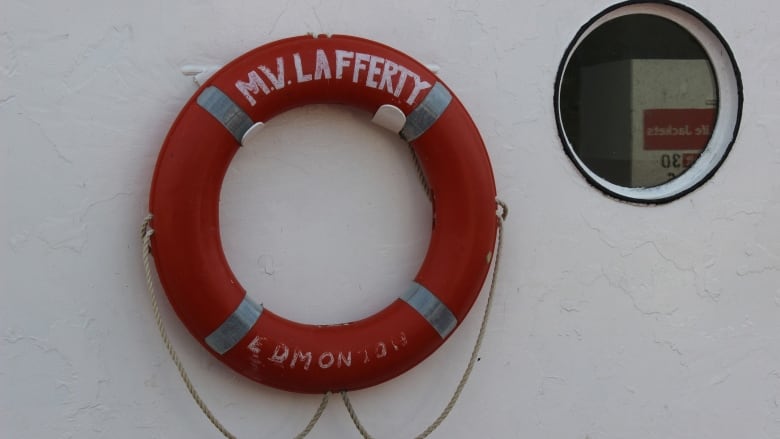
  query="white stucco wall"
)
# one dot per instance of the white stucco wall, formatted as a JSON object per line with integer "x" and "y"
{"x": 610, "y": 321}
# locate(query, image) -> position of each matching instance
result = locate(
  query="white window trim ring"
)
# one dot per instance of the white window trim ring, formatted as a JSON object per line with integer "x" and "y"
{"x": 729, "y": 88}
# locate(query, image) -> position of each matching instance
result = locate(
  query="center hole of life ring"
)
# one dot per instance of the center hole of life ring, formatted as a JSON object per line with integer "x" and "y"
{"x": 323, "y": 217}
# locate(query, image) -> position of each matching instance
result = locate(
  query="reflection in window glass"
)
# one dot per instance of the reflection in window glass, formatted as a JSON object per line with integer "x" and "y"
{"x": 638, "y": 100}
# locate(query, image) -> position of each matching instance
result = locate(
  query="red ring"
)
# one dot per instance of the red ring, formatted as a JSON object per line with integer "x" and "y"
{"x": 185, "y": 195}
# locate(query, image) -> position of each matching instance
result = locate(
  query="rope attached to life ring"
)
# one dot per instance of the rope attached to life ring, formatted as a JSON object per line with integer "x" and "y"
{"x": 146, "y": 236}
{"x": 501, "y": 214}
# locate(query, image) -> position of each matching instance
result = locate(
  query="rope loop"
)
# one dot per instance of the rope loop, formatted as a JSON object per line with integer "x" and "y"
{"x": 146, "y": 230}
{"x": 502, "y": 211}
{"x": 146, "y": 249}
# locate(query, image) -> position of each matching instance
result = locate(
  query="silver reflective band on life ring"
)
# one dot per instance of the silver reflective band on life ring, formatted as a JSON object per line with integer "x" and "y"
{"x": 431, "y": 308}
{"x": 235, "y": 327}
{"x": 427, "y": 113}
{"x": 230, "y": 115}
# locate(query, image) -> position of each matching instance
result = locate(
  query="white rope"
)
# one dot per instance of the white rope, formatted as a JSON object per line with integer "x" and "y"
{"x": 421, "y": 174}
{"x": 501, "y": 213}
{"x": 146, "y": 236}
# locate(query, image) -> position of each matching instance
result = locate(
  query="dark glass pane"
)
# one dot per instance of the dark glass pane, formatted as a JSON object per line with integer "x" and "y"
{"x": 638, "y": 100}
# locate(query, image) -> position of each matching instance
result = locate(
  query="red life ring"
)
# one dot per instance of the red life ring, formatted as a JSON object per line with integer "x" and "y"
{"x": 184, "y": 200}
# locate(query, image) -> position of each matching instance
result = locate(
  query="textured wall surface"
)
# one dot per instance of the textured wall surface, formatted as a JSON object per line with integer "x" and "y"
{"x": 610, "y": 321}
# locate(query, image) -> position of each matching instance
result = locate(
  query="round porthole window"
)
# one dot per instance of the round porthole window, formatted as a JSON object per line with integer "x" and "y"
{"x": 648, "y": 100}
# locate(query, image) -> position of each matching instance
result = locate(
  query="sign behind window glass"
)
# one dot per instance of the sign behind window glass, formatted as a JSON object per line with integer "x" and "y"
{"x": 638, "y": 100}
